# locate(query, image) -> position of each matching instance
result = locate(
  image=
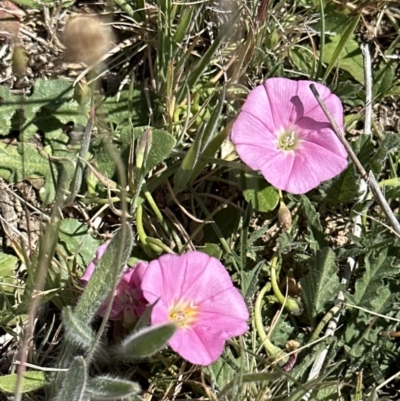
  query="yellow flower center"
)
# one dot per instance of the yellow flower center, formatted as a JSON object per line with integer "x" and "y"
{"x": 183, "y": 313}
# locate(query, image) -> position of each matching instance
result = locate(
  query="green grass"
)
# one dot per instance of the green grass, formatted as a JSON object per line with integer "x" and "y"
{"x": 188, "y": 68}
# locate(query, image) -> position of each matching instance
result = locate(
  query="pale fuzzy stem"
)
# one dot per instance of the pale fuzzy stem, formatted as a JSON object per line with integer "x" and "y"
{"x": 363, "y": 187}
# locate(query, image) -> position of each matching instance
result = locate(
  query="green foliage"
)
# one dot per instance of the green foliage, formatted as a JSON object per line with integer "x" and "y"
{"x": 76, "y": 332}
{"x": 145, "y": 343}
{"x": 105, "y": 388}
{"x": 76, "y": 241}
{"x": 263, "y": 196}
{"x": 33, "y": 380}
{"x": 370, "y": 291}
{"x": 321, "y": 285}
{"x": 104, "y": 277}
{"x": 73, "y": 387}
{"x": 184, "y": 89}
{"x": 343, "y": 189}
{"x": 316, "y": 236}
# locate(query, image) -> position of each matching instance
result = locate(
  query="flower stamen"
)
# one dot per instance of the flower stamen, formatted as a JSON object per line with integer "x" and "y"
{"x": 183, "y": 313}
{"x": 288, "y": 140}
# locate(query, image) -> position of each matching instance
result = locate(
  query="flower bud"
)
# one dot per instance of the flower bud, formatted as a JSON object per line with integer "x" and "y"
{"x": 284, "y": 216}
{"x": 143, "y": 148}
{"x": 82, "y": 93}
{"x": 19, "y": 61}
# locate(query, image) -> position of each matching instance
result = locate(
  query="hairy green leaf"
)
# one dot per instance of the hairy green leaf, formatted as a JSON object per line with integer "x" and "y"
{"x": 321, "y": 285}
{"x": 73, "y": 386}
{"x": 146, "y": 342}
{"x": 101, "y": 283}
{"x": 104, "y": 388}
{"x": 76, "y": 332}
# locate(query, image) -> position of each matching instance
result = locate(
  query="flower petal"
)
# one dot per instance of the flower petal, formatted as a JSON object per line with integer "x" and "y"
{"x": 290, "y": 105}
{"x": 200, "y": 345}
{"x": 194, "y": 276}
{"x": 92, "y": 265}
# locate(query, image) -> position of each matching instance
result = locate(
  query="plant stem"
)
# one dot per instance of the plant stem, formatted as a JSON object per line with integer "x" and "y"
{"x": 273, "y": 351}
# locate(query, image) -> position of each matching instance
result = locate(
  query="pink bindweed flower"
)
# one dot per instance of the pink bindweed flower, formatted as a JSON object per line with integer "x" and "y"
{"x": 128, "y": 303}
{"x": 196, "y": 292}
{"x": 282, "y": 132}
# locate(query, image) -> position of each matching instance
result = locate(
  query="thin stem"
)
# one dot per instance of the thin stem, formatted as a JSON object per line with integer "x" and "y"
{"x": 369, "y": 178}
{"x": 139, "y": 225}
{"x": 273, "y": 351}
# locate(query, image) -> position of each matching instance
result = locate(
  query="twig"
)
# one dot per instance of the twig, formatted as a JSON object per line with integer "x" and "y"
{"x": 368, "y": 89}
{"x": 369, "y": 178}
{"x": 351, "y": 262}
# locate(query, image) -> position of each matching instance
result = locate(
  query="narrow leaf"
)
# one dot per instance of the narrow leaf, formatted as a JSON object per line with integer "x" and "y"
{"x": 76, "y": 332}
{"x": 73, "y": 387}
{"x": 110, "y": 388}
{"x": 101, "y": 282}
{"x": 146, "y": 342}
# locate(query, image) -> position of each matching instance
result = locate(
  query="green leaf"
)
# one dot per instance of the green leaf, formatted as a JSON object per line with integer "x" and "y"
{"x": 161, "y": 146}
{"x": 350, "y": 59}
{"x": 33, "y": 380}
{"x": 343, "y": 189}
{"x": 302, "y": 58}
{"x": 146, "y": 342}
{"x": 341, "y": 50}
{"x": 316, "y": 238}
{"x": 212, "y": 250}
{"x": 51, "y": 106}
{"x": 321, "y": 285}
{"x": 100, "y": 284}
{"x": 383, "y": 80}
{"x": 223, "y": 370}
{"x": 7, "y": 274}
{"x": 73, "y": 387}
{"x": 8, "y": 105}
{"x": 350, "y": 93}
{"x": 110, "y": 388}
{"x": 389, "y": 145}
{"x": 205, "y": 144}
{"x": 249, "y": 282}
{"x": 184, "y": 21}
{"x": 23, "y": 162}
{"x": 129, "y": 110}
{"x": 370, "y": 290}
{"x": 35, "y": 4}
{"x": 76, "y": 332}
{"x": 263, "y": 196}
{"x": 227, "y": 221}
{"x": 77, "y": 240}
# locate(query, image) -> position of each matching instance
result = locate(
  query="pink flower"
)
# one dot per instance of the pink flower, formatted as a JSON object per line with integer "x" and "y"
{"x": 128, "y": 303}
{"x": 282, "y": 132}
{"x": 196, "y": 292}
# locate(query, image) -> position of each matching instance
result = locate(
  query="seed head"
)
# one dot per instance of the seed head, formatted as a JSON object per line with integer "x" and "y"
{"x": 86, "y": 39}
